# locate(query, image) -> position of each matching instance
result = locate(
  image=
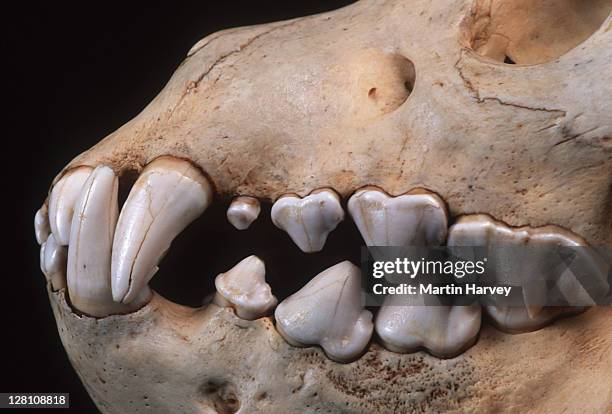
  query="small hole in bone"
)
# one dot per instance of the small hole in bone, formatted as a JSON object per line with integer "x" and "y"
{"x": 372, "y": 93}
{"x": 508, "y": 60}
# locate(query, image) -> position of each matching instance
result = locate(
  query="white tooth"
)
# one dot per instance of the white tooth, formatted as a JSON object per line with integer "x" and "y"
{"x": 41, "y": 225}
{"x": 328, "y": 312}
{"x": 243, "y": 211}
{"x": 62, "y": 200}
{"x": 244, "y": 288}
{"x": 405, "y": 325}
{"x": 55, "y": 257}
{"x": 42, "y": 258}
{"x": 308, "y": 220}
{"x": 169, "y": 194}
{"x": 518, "y": 320}
{"x": 91, "y": 235}
{"x": 418, "y": 218}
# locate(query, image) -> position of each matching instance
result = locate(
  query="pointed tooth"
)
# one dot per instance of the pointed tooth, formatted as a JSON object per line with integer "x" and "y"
{"x": 328, "y": 312}
{"x": 91, "y": 235}
{"x": 417, "y": 218}
{"x": 405, "y": 325}
{"x": 243, "y": 212}
{"x": 169, "y": 194}
{"x": 41, "y": 225}
{"x": 308, "y": 220}
{"x": 55, "y": 259}
{"x": 62, "y": 200}
{"x": 244, "y": 288}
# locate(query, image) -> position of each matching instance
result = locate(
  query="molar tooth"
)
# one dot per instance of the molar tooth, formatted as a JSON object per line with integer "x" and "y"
{"x": 41, "y": 225}
{"x": 89, "y": 254}
{"x": 244, "y": 288}
{"x": 417, "y": 218}
{"x": 169, "y": 194}
{"x": 328, "y": 312}
{"x": 308, "y": 220}
{"x": 405, "y": 326}
{"x": 54, "y": 258}
{"x": 62, "y": 200}
{"x": 243, "y": 211}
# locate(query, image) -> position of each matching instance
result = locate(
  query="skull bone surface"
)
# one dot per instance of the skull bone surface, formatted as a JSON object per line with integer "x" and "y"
{"x": 425, "y": 122}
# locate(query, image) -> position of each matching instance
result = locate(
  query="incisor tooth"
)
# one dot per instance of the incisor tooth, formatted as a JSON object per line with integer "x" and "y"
{"x": 62, "y": 200}
{"x": 54, "y": 258}
{"x": 89, "y": 254}
{"x": 244, "y": 288}
{"x": 169, "y": 194}
{"x": 328, "y": 312}
{"x": 41, "y": 225}
{"x": 418, "y": 218}
{"x": 308, "y": 220}
{"x": 243, "y": 211}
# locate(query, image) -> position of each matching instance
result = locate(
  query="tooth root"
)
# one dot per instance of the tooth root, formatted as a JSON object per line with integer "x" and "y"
{"x": 308, "y": 220}
{"x": 62, "y": 200}
{"x": 445, "y": 331}
{"x": 91, "y": 235}
{"x": 243, "y": 212}
{"x": 53, "y": 262}
{"x": 244, "y": 288}
{"x": 328, "y": 312}
{"x": 41, "y": 225}
{"x": 169, "y": 194}
{"x": 418, "y": 218}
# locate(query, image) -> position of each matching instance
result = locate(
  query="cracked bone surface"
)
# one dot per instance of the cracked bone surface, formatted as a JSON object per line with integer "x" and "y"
{"x": 244, "y": 288}
{"x": 243, "y": 211}
{"x": 393, "y": 94}
{"x": 328, "y": 312}
{"x": 308, "y": 220}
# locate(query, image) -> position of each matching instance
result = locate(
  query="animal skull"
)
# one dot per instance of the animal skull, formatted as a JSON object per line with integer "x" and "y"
{"x": 415, "y": 98}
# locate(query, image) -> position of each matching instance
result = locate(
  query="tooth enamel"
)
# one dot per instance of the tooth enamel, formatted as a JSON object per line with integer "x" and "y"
{"x": 404, "y": 324}
{"x": 396, "y": 221}
{"x": 243, "y": 211}
{"x": 308, "y": 220}
{"x": 62, "y": 200}
{"x": 53, "y": 262}
{"x": 244, "y": 288}
{"x": 169, "y": 194}
{"x": 41, "y": 225}
{"x": 91, "y": 235}
{"x": 327, "y": 311}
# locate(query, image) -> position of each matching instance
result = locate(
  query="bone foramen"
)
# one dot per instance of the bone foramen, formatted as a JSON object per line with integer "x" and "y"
{"x": 243, "y": 211}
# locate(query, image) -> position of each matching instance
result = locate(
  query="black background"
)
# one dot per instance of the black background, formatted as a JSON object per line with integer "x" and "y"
{"x": 73, "y": 74}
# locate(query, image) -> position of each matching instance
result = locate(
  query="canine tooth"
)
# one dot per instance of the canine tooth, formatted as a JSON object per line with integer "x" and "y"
{"x": 308, "y": 220}
{"x": 244, "y": 288}
{"x": 53, "y": 262}
{"x": 243, "y": 211}
{"x": 62, "y": 200}
{"x": 41, "y": 225}
{"x": 328, "y": 312}
{"x": 91, "y": 235}
{"x": 405, "y": 326}
{"x": 169, "y": 194}
{"x": 418, "y": 218}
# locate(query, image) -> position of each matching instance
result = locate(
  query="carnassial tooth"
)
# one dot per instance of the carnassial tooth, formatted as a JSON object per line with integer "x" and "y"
{"x": 244, "y": 288}
{"x": 54, "y": 257}
{"x": 62, "y": 200}
{"x": 328, "y": 312}
{"x": 89, "y": 254}
{"x": 243, "y": 211}
{"x": 41, "y": 225}
{"x": 308, "y": 220}
{"x": 169, "y": 194}
{"x": 417, "y": 218}
{"x": 404, "y": 324}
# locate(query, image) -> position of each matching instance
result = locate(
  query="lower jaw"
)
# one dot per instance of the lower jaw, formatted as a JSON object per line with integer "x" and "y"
{"x": 208, "y": 359}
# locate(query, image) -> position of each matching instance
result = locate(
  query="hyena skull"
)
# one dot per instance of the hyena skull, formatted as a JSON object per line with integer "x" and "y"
{"x": 408, "y": 115}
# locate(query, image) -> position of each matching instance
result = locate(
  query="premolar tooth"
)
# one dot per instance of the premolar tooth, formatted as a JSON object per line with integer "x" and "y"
{"x": 244, "y": 288}
{"x": 243, "y": 211}
{"x": 62, "y": 200}
{"x": 89, "y": 254}
{"x": 41, "y": 225}
{"x": 54, "y": 258}
{"x": 308, "y": 220}
{"x": 328, "y": 312}
{"x": 418, "y": 218}
{"x": 444, "y": 330}
{"x": 169, "y": 194}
